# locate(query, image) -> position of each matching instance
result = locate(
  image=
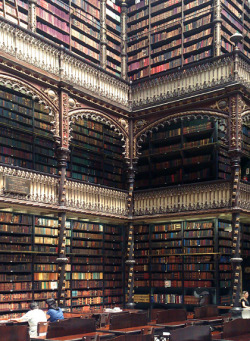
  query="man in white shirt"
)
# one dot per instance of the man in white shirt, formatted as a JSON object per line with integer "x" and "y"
{"x": 33, "y": 316}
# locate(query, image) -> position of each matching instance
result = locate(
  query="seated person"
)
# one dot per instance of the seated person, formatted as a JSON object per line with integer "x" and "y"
{"x": 33, "y": 316}
{"x": 244, "y": 300}
{"x": 54, "y": 313}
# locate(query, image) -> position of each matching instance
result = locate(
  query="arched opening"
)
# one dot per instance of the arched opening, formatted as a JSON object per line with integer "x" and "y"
{"x": 183, "y": 150}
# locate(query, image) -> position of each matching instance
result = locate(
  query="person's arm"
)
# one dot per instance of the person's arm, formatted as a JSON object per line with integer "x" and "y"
{"x": 243, "y": 304}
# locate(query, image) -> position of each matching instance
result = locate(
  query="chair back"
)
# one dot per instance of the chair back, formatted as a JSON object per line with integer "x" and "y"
{"x": 193, "y": 333}
{"x": 148, "y": 331}
{"x": 235, "y": 327}
{"x": 42, "y": 328}
{"x": 15, "y": 332}
{"x": 171, "y": 315}
{"x": 70, "y": 326}
{"x": 206, "y": 311}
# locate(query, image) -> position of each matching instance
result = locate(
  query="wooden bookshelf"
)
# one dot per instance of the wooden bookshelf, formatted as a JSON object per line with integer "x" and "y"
{"x": 183, "y": 152}
{"x": 113, "y": 266}
{"x": 182, "y": 260}
{"x": 26, "y": 136}
{"x": 96, "y": 154}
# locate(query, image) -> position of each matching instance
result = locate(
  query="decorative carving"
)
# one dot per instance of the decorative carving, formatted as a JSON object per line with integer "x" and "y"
{"x": 124, "y": 124}
{"x": 139, "y": 125}
{"x": 65, "y": 120}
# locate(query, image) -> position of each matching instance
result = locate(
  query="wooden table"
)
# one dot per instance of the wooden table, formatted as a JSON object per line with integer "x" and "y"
{"x": 78, "y": 337}
{"x": 131, "y": 330}
{"x": 171, "y": 325}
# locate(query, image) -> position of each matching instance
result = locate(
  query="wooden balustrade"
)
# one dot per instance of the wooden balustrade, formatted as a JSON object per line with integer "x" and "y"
{"x": 95, "y": 198}
{"x": 184, "y": 198}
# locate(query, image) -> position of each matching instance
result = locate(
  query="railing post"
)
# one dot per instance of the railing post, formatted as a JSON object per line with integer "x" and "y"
{"x": 32, "y": 15}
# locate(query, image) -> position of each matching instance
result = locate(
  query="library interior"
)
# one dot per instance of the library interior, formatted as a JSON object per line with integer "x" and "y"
{"x": 125, "y": 169}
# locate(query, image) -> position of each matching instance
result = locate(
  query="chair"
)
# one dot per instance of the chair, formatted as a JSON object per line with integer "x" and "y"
{"x": 42, "y": 328}
{"x": 148, "y": 331}
{"x": 104, "y": 319}
{"x": 91, "y": 338}
{"x": 193, "y": 333}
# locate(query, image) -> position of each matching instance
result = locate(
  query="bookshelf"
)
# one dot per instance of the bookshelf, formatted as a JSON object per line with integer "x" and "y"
{"x": 245, "y": 159}
{"x": 113, "y": 33}
{"x": 86, "y": 266}
{"x": 113, "y": 266}
{"x": 45, "y": 273}
{"x": 225, "y": 268}
{"x": 26, "y": 137}
{"x": 183, "y": 260}
{"x": 96, "y": 155}
{"x": 184, "y": 152}
{"x": 16, "y": 264}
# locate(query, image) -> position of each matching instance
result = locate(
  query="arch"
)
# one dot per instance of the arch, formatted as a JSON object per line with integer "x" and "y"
{"x": 18, "y": 84}
{"x": 121, "y": 130}
{"x": 174, "y": 118}
{"x": 245, "y": 116}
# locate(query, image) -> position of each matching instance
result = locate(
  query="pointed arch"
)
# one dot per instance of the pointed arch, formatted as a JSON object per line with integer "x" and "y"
{"x": 121, "y": 129}
{"x": 174, "y": 118}
{"x": 20, "y": 85}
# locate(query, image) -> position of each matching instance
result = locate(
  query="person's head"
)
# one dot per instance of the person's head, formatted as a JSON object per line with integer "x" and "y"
{"x": 33, "y": 305}
{"x": 245, "y": 294}
{"x": 52, "y": 303}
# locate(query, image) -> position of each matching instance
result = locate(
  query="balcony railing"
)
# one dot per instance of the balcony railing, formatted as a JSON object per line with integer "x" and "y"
{"x": 35, "y": 189}
{"x": 28, "y": 186}
{"x": 183, "y": 198}
{"x": 93, "y": 198}
{"x": 37, "y": 51}
{"x": 190, "y": 79}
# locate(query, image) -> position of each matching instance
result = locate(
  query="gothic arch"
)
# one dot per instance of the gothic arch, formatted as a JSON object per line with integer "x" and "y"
{"x": 121, "y": 129}
{"x": 189, "y": 115}
{"x": 246, "y": 116}
{"x": 24, "y": 87}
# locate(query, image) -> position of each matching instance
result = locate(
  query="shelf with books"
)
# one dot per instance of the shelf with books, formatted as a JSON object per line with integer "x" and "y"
{"x": 113, "y": 269}
{"x": 16, "y": 264}
{"x": 28, "y": 141}
{"x": 95, "y": 154}
{"x": 87, "y": 272}
{"x": 45, "y": 272}
{"x": 166, "y": 155}
{"x": 141, "y": 253}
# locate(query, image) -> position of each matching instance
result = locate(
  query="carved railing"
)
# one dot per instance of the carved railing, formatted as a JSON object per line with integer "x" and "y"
{"x": 42, "y": 188}
{"x": 180, "y": 83}
{"x": 183, "y": 198}
{"x": 47, "y": 56}
{"x": 244, "y": 196}
{"x": 95, "y": 198}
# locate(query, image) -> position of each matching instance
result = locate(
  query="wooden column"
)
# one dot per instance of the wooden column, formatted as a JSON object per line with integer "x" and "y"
{"x": 62, "y": 156}
{"x": 217, "y": 28}
{"x": 124, "y": 61}
{"x": 103, "y": 35}
{"x": 235, "y": 154}
{"x": 130, "y": 253}
{"x": 32, "y": 15}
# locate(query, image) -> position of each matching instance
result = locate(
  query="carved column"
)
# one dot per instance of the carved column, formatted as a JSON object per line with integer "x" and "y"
{"x": 124, "y": 63}
{"x": 131, "y": 261}
{"x": 103, "y": 35}
{"x": 235, "y": 153}
{"x": 62, "y": 156}
{"x": 32, "y": 15}
{"x": 217, "y": 28}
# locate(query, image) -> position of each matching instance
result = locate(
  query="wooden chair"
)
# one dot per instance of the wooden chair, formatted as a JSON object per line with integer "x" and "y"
{"x": 148, "y": 331}
{"x": 104, "y": 319}
{"x": 193, "y": 333}
{"x": 91, "y": 338}
{"x": 42, "y": 328}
